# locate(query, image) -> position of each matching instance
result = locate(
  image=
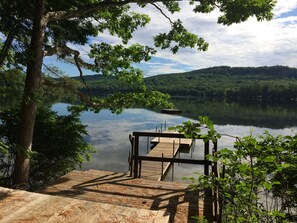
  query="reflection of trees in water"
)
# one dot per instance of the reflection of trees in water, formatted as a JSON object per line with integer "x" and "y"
{"x": 270, "y": 114}
{"x": 11, "y": 101}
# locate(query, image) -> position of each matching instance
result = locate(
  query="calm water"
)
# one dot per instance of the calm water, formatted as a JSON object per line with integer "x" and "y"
{"x": 108, "y": 133}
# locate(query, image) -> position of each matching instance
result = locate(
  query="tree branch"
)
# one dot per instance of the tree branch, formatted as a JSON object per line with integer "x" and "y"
{"x": 77, "y": 61}
{"x": 51, "y": 70}
{"x": 68, "y": 87}
{"x": 161, "y": 11}
{"x": 8, "y": 43}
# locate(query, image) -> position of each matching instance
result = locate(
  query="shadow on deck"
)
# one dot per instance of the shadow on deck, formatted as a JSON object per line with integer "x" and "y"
{"x": 116, "y": 188}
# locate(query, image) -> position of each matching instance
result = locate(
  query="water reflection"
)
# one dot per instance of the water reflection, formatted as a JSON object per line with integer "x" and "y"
{"x": 108, "y": 133}
{"x": 187, "y": 170}
{"x": 272, "y": 114}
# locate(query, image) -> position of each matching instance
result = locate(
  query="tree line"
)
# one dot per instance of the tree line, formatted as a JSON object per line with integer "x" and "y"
{"x": 275, "y": 82}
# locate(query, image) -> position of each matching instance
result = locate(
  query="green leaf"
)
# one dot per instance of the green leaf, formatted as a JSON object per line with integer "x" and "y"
{"x": 267, "y": 185}
{"x": 270, "y": 159}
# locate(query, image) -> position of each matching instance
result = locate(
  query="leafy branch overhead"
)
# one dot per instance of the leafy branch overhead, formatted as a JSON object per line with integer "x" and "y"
{"x": 116, "y": 102}
{"x": 75, "y": 22}
{"x": 116, "y": 60}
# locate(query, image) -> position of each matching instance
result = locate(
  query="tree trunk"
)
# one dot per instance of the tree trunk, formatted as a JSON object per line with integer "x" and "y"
{"x": 29, "y": 107}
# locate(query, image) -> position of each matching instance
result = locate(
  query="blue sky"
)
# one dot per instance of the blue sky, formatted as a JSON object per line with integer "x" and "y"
{"x": 250, "y": 43}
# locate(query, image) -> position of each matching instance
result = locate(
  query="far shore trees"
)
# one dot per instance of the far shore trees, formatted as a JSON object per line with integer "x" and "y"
{"x": 39, "y": 28}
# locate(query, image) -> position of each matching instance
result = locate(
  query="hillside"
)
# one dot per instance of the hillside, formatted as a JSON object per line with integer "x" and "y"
{"x": 232, "y": 82}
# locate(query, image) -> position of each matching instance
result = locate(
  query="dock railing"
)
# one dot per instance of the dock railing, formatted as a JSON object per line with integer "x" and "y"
{"x": 136, "y": 161}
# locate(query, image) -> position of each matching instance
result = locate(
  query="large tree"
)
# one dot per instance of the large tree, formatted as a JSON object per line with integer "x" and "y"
{"x": 50, "y": 26}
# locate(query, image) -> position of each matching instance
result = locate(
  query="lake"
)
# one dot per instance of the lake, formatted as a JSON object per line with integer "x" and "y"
{"x": 108, "y": 132}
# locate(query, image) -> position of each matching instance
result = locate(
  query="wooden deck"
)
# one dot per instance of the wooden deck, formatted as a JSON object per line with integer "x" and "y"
{"x": 173, "y": 198}
{"x": 18, "y": 206}
{"x": 169, "y": 147}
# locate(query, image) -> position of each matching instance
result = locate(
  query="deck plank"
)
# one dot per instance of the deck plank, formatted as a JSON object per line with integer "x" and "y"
{"x": 174, "y": 198}
{"x": 18, "y": 206}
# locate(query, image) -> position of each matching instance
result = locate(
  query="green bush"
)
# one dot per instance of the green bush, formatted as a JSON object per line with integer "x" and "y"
{"x": 58, "y": 145}
{"x": 258, "y": 181}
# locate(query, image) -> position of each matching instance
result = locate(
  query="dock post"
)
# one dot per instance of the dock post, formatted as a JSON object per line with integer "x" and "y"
{"x": 130, "y": 164}
{"x": 140, "y": 164}
{"x": 161, "y": 127}
{"x": 159, "y": 136}
{"x": 172, "y": 163}
{"x": 206, "y": 152}
{"x": 147, "y": 144}
{"x": 172, "y": 172}
{"x": 215, "y": 164}
{"x": 165, "y": 126}
{"x": 130, "y": 158}
{"x": 162, "y": 168}
{"x": 216, "y": 188}
{"x": 173, "y": 148}
{"x": 135, "y": 155}
{"x": 192, "y": 147}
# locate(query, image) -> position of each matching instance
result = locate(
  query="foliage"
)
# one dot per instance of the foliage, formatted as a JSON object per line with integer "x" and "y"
{"x": 3, "y": 148}
{"x": 58, "y": 145}
{"x": 116, "y": 60}
{"x": 118, "y": 101}
{"x": 277, "y": 82}
{"x": 258, "y": 180}
{"x": 11, "y": 82}
{"x": 193, "y": 130}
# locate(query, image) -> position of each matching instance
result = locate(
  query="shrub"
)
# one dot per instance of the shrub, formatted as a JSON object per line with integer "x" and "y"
{"x": 58, "y": 145}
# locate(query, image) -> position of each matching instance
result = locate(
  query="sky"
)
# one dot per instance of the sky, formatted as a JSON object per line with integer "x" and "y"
{"x": 250, "y": 43}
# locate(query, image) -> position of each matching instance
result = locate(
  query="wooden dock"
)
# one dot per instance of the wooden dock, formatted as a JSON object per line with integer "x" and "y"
{"x": 18, "y": 206}
{"x": 156, "y": 163}
{"x": 173, "y": 200}
{"x": 164, "y": 147}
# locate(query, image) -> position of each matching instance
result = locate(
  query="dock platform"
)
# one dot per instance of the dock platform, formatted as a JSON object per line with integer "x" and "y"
{"x": 164, "y": 147}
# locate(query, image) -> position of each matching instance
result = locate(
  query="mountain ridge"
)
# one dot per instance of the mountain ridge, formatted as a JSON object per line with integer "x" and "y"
{"x": 220, "y": 81}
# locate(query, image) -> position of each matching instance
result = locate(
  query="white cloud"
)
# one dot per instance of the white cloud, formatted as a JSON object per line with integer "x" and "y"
{"x": 284, "y": 6}
{"x": 251, "y": 43}
{"x": 162, "y": 70}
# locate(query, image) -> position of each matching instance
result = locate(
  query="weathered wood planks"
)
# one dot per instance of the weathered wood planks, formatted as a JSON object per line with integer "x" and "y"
{"x": 18, "y": 206}
{"x": 174, "y": 198}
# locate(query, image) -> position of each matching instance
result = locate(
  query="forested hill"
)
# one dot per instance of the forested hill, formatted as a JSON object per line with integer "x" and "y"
{"x": 224, "y": 81}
